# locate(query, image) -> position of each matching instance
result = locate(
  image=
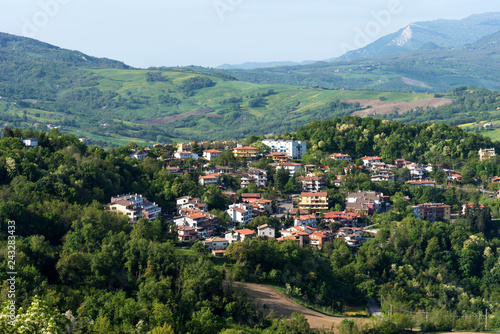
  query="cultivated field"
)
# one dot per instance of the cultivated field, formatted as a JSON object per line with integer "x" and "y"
{"x": 385, "y": 107}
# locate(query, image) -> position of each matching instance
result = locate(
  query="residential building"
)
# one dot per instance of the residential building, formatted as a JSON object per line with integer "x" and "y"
{"x": 305, "y": 220}
{"x": 211, "y": 154}
{"x": 185, "y": 155}
{"x": 346, "y": 218}
{"x": 30, "y": 142}
{"x": 486, "y": 153}
{"x": 432, "y": 211}
{"x": 134, "y": 206}
{"x": 382, "y": 177}
{"x": 318, "y": 239}
{"x": 187, "y": 233}
{"x": 246, "y": 152}
{"x": 279, "y": 157}
{"x": 471, "y": 207}
{"x": 256, "y": 176}
{"x": 250, "y": 197}
{"x": 367, "y": 201}
{"x": 340, "y": 157}
{"x": 294, "y": 148}
{"x": 137, "y": 154}
{"x": 416, "y": 171}
{"x": 313, "y": 201}
{"x": 494, "y": 179}
{"x": 216, "y": 243}
{"x": 292, "y": 167}
{"x": 367, "y": 161}
{"x": 302, "y": 238}
{"x": 312, "y": 184}
{"x": 240, "y": 213}
{"x": 455, "y": 177}
{"x": 265, "y": 231}
{"x": 209, "y": 179}
{"x": 239, "y": 235}
{"x": 173, "y": 170}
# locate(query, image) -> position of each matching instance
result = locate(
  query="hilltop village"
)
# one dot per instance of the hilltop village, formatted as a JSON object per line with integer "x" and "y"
{"x": 270, "y": 193}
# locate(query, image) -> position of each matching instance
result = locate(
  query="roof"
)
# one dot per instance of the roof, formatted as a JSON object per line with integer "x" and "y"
{"x": 306, "y": 217}
{"x": 195, "y": 215}
{"x": 206, "y": 177}
{"x": 212, "y": 151}
{"x": 285, "y": 164}
{"x": 338, "y": 155}
{"x": 216, "y": 239}
{"x": 239, "y": 210}
{"x": 371, "y": 158}
{"x": 246, "y": 148}
{"x": 123, "y": 202}
{"x": 254, "y": 195}
{"x": 263, "y": 226}
{"x": 245, "y": 231}
{"x": 314, "y": 194}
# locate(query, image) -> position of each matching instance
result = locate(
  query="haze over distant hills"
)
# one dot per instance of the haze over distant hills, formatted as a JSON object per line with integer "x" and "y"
{"x": 425, "y": 56}
{"x": 421, "y": 35}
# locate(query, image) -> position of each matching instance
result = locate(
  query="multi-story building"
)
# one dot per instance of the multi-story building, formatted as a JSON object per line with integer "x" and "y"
{"x": 187, "y": 233}
{"x": 265, "y": 231}
{"x": 256, "y": 176}
{"x": 340, "y": 157}
{"x": 137, "y": 154}
{"x": 185, "y": 155}
{"x": 279, "y": 157}
{"x": 206, "y": 180}
{"x": 294, "y": 148}
{"x": 312, "y": 184}
{"x": 305, "y": 220}
{"x": 240, "y": 213}
{"x": 424, "y": 183}
{"x": 30, "y": 142}
{"x": 432, "y": 211}
{"x": 367, "y": 161}
{"x": 486, "y": 153}
{"x": 318, "y": 239}
{"x": 292, "y": 167}
{"x": 246, "y": 152}
{"x": 416, "y": 171}
{"x": 211, "y": 154}
{"x": 314, "y": 201}
{"x": 216, "y": 243}
{"x": 134, "y": 206}
{"x": 367, "y": 201}
{"x": 239, "y": 235}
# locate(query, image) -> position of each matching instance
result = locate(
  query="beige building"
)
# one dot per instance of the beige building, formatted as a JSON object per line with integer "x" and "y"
{"x": 486, "y": 153}
{"x": 432, "y": 211}
{"x": 314, "y": 201}
{"x": 246, "y": 152}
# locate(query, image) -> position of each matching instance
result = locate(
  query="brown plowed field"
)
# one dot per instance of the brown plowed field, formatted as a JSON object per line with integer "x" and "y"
{"x": 285, "y": 307}
{"x": 382, "y": 107}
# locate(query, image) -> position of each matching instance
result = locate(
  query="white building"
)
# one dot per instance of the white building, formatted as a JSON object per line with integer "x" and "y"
{"x": 211, "y": 154}
{"x": 257, "y": 176}
{"x": 239, "y": 235}
{"x": 265, "y": 231}
{"x": 216, "y": 243}
{"x": 416, "y": 171}
{"x": 135, "y": 206}
{"x": 340, "y": 157}
{"x": 292, "y": 167}
{"x": 206, "y": 180}
{"x": 137, "y": 154}
{"x": 305, "y": 220}
{"x": 294, "y": 148}
{"x": 185, "y": 155}
{"x": 30, "y": 142}
{"x": 240, "y": 213}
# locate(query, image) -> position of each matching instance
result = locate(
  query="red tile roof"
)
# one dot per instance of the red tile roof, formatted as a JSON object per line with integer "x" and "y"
{"x": 245, "y": 231}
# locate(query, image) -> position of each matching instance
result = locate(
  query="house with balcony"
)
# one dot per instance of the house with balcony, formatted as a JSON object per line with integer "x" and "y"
{"x": 292, "y": 167}
{"x": 240, "y": 213}
{"x": 340, "y": 157}
{"x": 312, "y": 183}
{"x": 209, "y": 179}
{"x": 186, "y": 233}
{"x": 432, "y": 211}
{"x": 314, "y": 202}
{"x": 306, "y": 220}
{"x": 246, "y": 152}
{"x": 239, "y": 235}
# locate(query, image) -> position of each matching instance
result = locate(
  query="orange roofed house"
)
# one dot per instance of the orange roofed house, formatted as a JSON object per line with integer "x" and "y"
{"x": 246, "y": 152}
{"x": 239, "y": 235}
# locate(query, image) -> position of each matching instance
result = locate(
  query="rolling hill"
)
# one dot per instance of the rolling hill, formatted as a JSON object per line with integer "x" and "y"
{"x": 111, "y": 103}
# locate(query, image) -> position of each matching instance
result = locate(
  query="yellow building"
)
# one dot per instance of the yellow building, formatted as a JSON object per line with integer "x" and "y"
{"x": 314, "y": 201}
{"x": 246, "y": 152}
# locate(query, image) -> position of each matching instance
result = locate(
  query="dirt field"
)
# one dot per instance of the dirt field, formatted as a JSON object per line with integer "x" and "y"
{"x": 165, "y": 120}
{"x": 284, "y": 306}
{"x": 381, "y": 107}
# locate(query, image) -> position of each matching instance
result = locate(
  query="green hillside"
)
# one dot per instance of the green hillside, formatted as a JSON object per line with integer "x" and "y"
{"x": 120, "y": 105}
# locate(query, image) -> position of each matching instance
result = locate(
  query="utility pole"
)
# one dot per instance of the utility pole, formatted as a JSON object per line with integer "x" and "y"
{"x": 486, "y": 320}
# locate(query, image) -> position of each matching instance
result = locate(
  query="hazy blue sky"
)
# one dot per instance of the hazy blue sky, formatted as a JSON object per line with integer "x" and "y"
{"x": 212, "y": 32}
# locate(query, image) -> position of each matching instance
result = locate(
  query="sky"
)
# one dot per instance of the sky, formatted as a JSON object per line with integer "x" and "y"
{"x": 214, "y": 32}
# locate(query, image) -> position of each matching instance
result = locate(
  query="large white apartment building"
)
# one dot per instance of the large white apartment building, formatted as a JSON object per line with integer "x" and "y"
{"x": 294, "y": 148}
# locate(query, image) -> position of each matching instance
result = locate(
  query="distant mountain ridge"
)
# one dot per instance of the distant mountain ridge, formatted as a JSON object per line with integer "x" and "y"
{"x": 37, "y": 51}
{"x": 254, "y": 65}
{"x": 443, "y": 33}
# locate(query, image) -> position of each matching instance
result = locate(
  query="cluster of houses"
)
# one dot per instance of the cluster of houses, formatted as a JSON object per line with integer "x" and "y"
{"x": 194, "y": 222}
